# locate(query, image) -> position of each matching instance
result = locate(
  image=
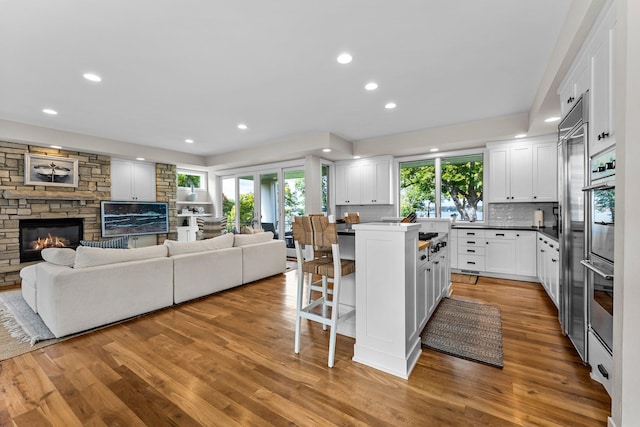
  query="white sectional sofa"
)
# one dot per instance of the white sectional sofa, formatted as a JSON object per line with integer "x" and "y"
{"x": 79, "y": 290}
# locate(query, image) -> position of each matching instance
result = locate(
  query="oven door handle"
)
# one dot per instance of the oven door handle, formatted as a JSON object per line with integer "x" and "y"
{"x": 589, "y": 265}
{"x": 599, "y": 186}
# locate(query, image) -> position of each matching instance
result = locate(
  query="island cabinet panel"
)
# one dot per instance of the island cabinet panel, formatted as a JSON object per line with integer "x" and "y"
{"x": 387, "y": 306}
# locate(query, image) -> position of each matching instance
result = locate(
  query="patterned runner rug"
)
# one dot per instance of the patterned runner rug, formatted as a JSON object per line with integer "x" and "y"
{"x": 467, "y": 330}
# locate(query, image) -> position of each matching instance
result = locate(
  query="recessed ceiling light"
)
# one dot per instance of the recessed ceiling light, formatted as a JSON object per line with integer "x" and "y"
{"x": 242, "y": 126}
{"x": 344, "y": 58}
{"x": 552, "y": 119}
{"x": 356, "y": 157}
{"x": 140, "y": 158}
{"x": 371, "y": 86}
{"x": 57, "y": 147}
{"x": 326, "y": 150}
{"x": 188, "y": 141}
{"x": 49, "y": 111}
{"x": 520, "y": 135}
{"x": 390, "y": 105}
{"x": 92, "y": 77}
{"x": 433, "y": 150}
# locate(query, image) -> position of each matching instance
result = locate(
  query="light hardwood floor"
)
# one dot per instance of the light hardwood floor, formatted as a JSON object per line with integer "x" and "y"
{"x": 228, "y": 360}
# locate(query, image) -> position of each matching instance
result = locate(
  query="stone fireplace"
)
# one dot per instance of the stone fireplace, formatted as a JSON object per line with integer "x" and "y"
{"x": 38, "y": 234}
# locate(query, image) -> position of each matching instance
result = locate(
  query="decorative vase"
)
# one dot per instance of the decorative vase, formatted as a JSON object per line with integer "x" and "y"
{"x": 193, "y": 196}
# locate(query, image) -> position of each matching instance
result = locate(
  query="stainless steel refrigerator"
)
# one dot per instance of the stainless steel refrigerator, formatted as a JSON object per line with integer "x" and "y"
{"x": 573, "y": 168}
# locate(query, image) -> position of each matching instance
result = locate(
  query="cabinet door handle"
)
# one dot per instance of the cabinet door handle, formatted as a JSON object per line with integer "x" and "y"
{"x": 470, "y": 234}
{"x": 542, "y": 250}
{"x": 423, "y": 257}
{"x": 436, "y": 262}
{"x": 603, "y": 135}
{"x": 535, "y": 197}
{"x": 469, "y": 242}
{"x": 499, "y": 234}
{"x": 603, "y": 371}
{"x": 554, "y": 260}
{"x": 473, "y": 251}
{"x": 471, "y": 262}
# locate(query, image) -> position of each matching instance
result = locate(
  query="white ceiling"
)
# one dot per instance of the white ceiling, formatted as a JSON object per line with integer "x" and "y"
{"x": 196, "y": 68}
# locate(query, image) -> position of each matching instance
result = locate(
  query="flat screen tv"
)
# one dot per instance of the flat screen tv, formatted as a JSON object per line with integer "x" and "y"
{"x": 134, "y": 218}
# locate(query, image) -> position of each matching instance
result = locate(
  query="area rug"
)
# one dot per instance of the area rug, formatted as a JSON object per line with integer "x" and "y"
{"x": 468, "y": 279}
{"x": 22, "y": 330}
{"x": 467, "y": 330}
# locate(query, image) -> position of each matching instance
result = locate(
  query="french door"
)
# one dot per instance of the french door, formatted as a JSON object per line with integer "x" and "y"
{"x": 265, "y": 199}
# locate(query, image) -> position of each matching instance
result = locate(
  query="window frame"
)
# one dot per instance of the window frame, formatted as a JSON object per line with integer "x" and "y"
{"x": 202, "y": 174}
{"x": 437, "y": 157}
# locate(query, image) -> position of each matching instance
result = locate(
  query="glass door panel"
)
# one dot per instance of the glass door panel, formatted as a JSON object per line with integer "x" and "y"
{"x": 229, "y": 202}
{"x": 246, "y": 201}
{"x": 293, "y": 201}
{"x": 269, "y": 203}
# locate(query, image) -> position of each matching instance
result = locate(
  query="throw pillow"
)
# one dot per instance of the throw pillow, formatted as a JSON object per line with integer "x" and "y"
{"x": 179, "y": 248}
{"x": 90, "y": 257}
{"x": 117, "y": 243}
{"x": 250, "y": 239}
{"x": 59, "y": 256}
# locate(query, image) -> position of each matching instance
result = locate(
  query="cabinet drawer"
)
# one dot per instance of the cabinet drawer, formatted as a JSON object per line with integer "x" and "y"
{"x": 471, "y": 250}
{"x": 471, "y": 262}
{"x": 501, "y": 234}
{"x": 601, "y": 362}
{"x": 471, "y": 233}
{"x": 470, "y": 241}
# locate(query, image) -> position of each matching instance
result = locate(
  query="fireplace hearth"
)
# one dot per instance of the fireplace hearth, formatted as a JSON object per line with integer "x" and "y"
{"x": 38, "y": 234}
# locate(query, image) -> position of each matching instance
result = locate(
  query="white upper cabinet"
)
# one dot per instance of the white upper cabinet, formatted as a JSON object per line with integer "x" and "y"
{"x": 593, "y": 71}
{"x": 133, "y": 180}
{"x": 366, "y": 182}
{"x": 575, "y": 84}
{"x": 511, "y": 173}
{"x": 601, "y": 130}
{"x": 523, "y": 172}
{"x": 545, "y": 173}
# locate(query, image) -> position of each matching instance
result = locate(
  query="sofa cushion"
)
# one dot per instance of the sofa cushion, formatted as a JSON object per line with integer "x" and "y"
{"x": 117, "y": 243}
{"x": 90, "y": 257}
{"x": 250, "y": 239}
{"x": 59, "y": 256}
{"x": 178, "y": 248}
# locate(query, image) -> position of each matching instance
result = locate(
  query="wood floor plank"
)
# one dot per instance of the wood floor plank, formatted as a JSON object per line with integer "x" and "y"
{"x": 228, "y": 359}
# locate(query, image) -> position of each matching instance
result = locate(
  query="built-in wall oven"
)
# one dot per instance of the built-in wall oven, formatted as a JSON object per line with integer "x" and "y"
{"x": 600, "y": 243}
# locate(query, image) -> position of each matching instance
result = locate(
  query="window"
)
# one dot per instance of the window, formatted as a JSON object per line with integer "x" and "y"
{"x": 443, "y": 187}
{"x": 188, "y": 178}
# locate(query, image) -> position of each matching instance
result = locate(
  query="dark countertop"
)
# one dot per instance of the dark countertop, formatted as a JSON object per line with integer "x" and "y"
{"x": 551, "y": 232}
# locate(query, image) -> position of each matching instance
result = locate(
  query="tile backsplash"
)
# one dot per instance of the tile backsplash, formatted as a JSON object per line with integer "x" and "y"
{"x": 519, "y": 213}
{"x": 499, "y": 214}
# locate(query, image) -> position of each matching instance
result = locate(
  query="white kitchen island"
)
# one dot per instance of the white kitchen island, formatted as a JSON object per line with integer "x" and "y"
{"x": 387, "y": 330}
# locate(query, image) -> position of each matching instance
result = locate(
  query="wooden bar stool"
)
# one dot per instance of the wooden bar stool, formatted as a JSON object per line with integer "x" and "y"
{"x": 319, "y": 232}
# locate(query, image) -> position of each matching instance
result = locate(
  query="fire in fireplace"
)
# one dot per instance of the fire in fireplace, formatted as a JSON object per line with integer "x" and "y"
{"x": 38, "y": 234}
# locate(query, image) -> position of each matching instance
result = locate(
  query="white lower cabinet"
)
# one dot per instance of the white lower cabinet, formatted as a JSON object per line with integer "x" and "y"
{"x": 548, "y": 262}
{"x": 526, "y": 253}
{"x": 423, "y": 294}
{"x": 497, "y": 251}
{"x": 500, "y": 252}
{"x": 601, "y": 362}
{"x": 471, "y": 247}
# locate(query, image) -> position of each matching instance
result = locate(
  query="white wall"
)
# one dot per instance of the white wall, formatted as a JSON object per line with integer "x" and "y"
{"x": 626, "y": 391}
